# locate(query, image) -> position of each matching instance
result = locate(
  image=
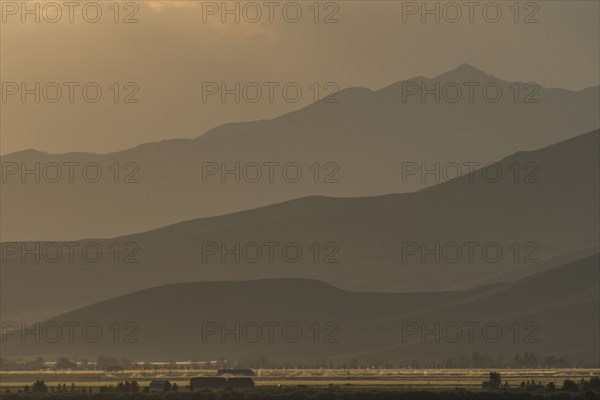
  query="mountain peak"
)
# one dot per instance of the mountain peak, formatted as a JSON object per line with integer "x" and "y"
{"x": 468, "y": 68}
{"x": 465, "y": 72}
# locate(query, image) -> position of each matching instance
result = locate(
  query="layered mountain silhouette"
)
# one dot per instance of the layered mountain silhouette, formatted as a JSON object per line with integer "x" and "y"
{"x": 547, "y": 217}
{"x": 353, "y": 147}
{"x": 550, "y": 312}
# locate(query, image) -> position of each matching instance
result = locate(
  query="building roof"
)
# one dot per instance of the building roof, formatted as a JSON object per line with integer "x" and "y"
{"x": 158, "y": 382}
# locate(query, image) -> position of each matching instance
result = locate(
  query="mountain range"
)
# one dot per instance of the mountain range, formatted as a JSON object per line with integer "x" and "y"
{"x": 372, "y": 244}
{"x": 357, "y": 146}
{"x": 301, "y": 321}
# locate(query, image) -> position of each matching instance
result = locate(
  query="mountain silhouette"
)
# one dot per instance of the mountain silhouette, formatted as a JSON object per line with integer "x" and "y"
{"x": 170, "y": 320}
{"x": 356, "y": 146}
{"x": 538, "y": 225}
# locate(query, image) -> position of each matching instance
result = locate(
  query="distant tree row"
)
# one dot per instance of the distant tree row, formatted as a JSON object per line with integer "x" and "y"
{"x": 495, "y": 383}
{"x": 475, "y": 360}
{"x": 103, "y": 363}
{"x": 122, "y": 387}
{"x": 40, "y": 387}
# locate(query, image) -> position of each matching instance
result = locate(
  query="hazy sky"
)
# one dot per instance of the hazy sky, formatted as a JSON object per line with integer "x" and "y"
{"x": 178, "y": 45}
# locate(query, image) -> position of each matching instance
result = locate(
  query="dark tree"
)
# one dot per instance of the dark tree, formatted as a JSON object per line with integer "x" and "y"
{"x": 39, "y": 387}
{"x": 495, "y": 380}
{"x": 570, "y": 386}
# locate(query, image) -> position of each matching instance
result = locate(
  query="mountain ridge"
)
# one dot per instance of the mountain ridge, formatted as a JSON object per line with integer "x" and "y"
{"x": 370, "y": 324}
{"x": 552, "y": 221}
{"x": 463, "y": 70}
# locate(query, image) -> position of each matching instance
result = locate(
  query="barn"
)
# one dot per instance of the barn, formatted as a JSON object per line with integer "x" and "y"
{"x": 207, "y": 382}
{"x": 158, "y": 385}
{"x": 240, "y": 383}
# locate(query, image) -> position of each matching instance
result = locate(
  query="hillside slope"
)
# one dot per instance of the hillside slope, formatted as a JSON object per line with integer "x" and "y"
{"x": 485, "y": 232}
{"x": 312, "y": 321}
{"x": 355, "y": 147}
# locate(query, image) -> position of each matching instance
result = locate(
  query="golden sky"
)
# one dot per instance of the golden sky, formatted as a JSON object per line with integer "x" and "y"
{"x": 177, "y": 45}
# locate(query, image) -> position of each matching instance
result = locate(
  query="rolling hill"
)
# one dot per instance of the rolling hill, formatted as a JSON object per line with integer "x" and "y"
{"x": 311, "y": 321}
{"x": 485, "y": 232}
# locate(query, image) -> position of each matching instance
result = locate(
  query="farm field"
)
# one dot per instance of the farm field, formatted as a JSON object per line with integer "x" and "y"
{"x": 409, "y": 378}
